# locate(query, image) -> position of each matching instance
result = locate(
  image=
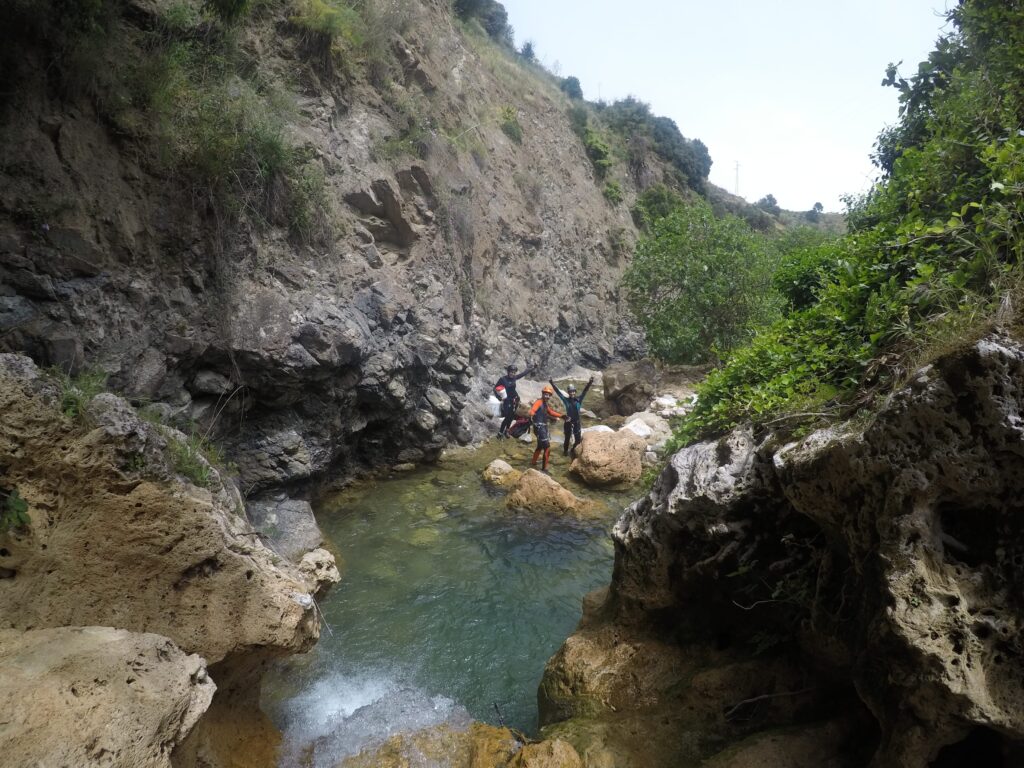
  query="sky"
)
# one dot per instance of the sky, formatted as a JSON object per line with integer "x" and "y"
{"x": 789, "y": 89}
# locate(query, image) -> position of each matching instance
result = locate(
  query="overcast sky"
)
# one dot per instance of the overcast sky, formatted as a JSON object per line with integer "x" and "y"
{"x": 790, "y": 89}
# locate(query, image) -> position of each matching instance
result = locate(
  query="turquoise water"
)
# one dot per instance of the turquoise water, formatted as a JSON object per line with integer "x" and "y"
{"x": 448, "y": 609}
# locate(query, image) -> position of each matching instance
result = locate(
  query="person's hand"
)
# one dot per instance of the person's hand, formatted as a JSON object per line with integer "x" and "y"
{"x": 590, "y": 380}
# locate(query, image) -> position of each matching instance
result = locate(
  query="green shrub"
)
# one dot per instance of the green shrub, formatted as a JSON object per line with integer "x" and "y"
{"x": 598, "y": 151}
{"x": 571, "y": 87}
{"x": 698, "y": 284}
{"x": 13, "y": 511}
{"x": 509, "y": 122}
{"x": 933, "y": 250}
{"x": 77, "y": 391}
{"x": 578, "y": 120}
{"x": 655, "y": 202}
{"x": 194, "y": 458}
{"x": 612, "y": 192}
{"x": 228, "y": 11}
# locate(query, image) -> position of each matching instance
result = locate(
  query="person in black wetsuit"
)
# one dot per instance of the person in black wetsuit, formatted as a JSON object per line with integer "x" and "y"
{"x": 572, "y": 405}
{"x": 539, "y": 415}
{"x": 511, "y": 401}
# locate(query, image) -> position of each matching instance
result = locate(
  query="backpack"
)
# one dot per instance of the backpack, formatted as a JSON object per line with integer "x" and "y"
{"x": 519, "y": 427}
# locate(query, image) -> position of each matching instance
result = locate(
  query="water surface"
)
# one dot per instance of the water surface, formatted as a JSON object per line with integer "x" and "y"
{"x": 448, "y": 609}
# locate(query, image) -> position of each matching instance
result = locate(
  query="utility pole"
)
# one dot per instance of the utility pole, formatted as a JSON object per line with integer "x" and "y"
{"x": 736, "y": 191}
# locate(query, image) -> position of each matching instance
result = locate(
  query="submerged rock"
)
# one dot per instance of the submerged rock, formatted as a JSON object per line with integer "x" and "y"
{"x": 537, "y": 492}
{"x": 501, "y": 474}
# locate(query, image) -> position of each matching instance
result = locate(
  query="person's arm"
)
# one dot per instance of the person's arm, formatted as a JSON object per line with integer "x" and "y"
{"x": 561, "y": 395}
{"x": 586, "y": 389}
{"x": 535, "y": 407}
{"x": 555, "y": 414}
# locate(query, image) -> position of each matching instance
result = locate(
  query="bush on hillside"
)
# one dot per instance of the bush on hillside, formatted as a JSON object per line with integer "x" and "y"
{"x": 571, "y": 87}
{"x": 698, "y": 283}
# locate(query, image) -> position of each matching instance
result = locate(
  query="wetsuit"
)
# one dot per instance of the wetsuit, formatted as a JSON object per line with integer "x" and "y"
{"x": 572, "y": 413}
{"x": 511, "y": 401}
{"x": 539, "y": 414}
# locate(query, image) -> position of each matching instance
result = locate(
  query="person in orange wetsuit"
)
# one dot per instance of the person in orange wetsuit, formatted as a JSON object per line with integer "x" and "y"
{"x": 539, "y": 415}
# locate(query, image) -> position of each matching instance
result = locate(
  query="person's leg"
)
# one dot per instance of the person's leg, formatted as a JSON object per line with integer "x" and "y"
{"x": 577, "y": 437}
{"x": 547, "y": 455}
{"x": 568, "y": 435}
{"x": 536, "y": 455}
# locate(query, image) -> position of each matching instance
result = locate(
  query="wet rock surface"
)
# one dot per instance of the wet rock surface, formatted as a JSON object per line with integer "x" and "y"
{"x": 870, "y": 564}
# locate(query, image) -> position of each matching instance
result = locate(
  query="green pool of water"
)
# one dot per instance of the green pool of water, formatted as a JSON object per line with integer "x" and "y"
{"x": 449, "y": 606}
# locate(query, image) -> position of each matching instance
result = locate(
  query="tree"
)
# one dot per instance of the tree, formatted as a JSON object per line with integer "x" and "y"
{"x": 815, "y": 213}
{"x": 571, "y": 87}
{"x": 699, "y": 284}
{"x": 527, "y": 51}
{"x": 769, "y": 204}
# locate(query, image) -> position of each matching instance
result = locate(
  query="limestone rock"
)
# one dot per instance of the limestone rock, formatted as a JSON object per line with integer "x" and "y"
{"x": 443, "y": 746}
{"x": 555, "y": 753}
{"x": 319, "y": 570}
{"x": 288, "y": 525}
{"x": 537, "y": 492}
{"x": 97, "y": 696}
{"x": 501, "y": 474}
{"x": 138, "y": 552}
{"x": 609, "y": 458}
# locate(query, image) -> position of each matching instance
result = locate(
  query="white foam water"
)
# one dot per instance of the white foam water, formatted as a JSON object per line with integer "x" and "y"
{"x": 342, "y": 714}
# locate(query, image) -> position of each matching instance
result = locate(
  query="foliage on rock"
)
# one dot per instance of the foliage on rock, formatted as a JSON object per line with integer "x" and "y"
{"x": 934, "y": 248}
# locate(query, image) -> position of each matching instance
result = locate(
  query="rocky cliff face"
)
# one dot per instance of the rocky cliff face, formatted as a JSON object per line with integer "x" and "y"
{"x": 116, "y": 539}
{"x": 848, "y": 599}
{"x": 363, "y": 348}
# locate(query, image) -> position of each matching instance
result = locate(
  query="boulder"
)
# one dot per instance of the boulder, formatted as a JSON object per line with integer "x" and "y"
{"x": 287, "y": 524}
{"x": 639, "y": 428}
{"x": 537, "y": 492}
{"x": 631, "y": 387}
{"x": 81, "y": 696}
{"x": 609, "y": 458}
{"x": 501, "y": 474}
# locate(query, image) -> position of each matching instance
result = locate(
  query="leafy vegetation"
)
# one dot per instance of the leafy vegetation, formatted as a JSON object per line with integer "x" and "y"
{"x": 633, "y": 121}
{"x": 195, "y": 458}
{"x": 697, "y": 283}
{"x": 509, "y": 122}
{"x": 491, "y": 15}
{"x": 933, "y": 252}
{"x": 13, "y": 511}
{"x": 77, "y": 391}
{"x": 612, "y": 192}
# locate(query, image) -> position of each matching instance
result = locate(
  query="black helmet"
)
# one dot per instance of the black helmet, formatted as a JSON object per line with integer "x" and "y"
{"x": 511, "y": 368}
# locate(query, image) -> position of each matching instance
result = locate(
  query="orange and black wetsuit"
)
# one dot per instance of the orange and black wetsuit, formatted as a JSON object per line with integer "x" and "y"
{"x": 539, "y": 414}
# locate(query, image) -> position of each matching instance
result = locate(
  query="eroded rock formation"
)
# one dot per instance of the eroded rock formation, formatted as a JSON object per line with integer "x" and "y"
{"x": 117, "y": 539}
{"x": 861, "y": 584}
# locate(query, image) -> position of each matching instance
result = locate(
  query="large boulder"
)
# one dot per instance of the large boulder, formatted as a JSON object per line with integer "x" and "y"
{"x": 79, "y": 696}
{"x": 634, "y": 386}
{"x": 610, "y": 458}
{"x": 287, "y": 524}
{"x": 883, "y": 554}
{"x": 537, "y": 492}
